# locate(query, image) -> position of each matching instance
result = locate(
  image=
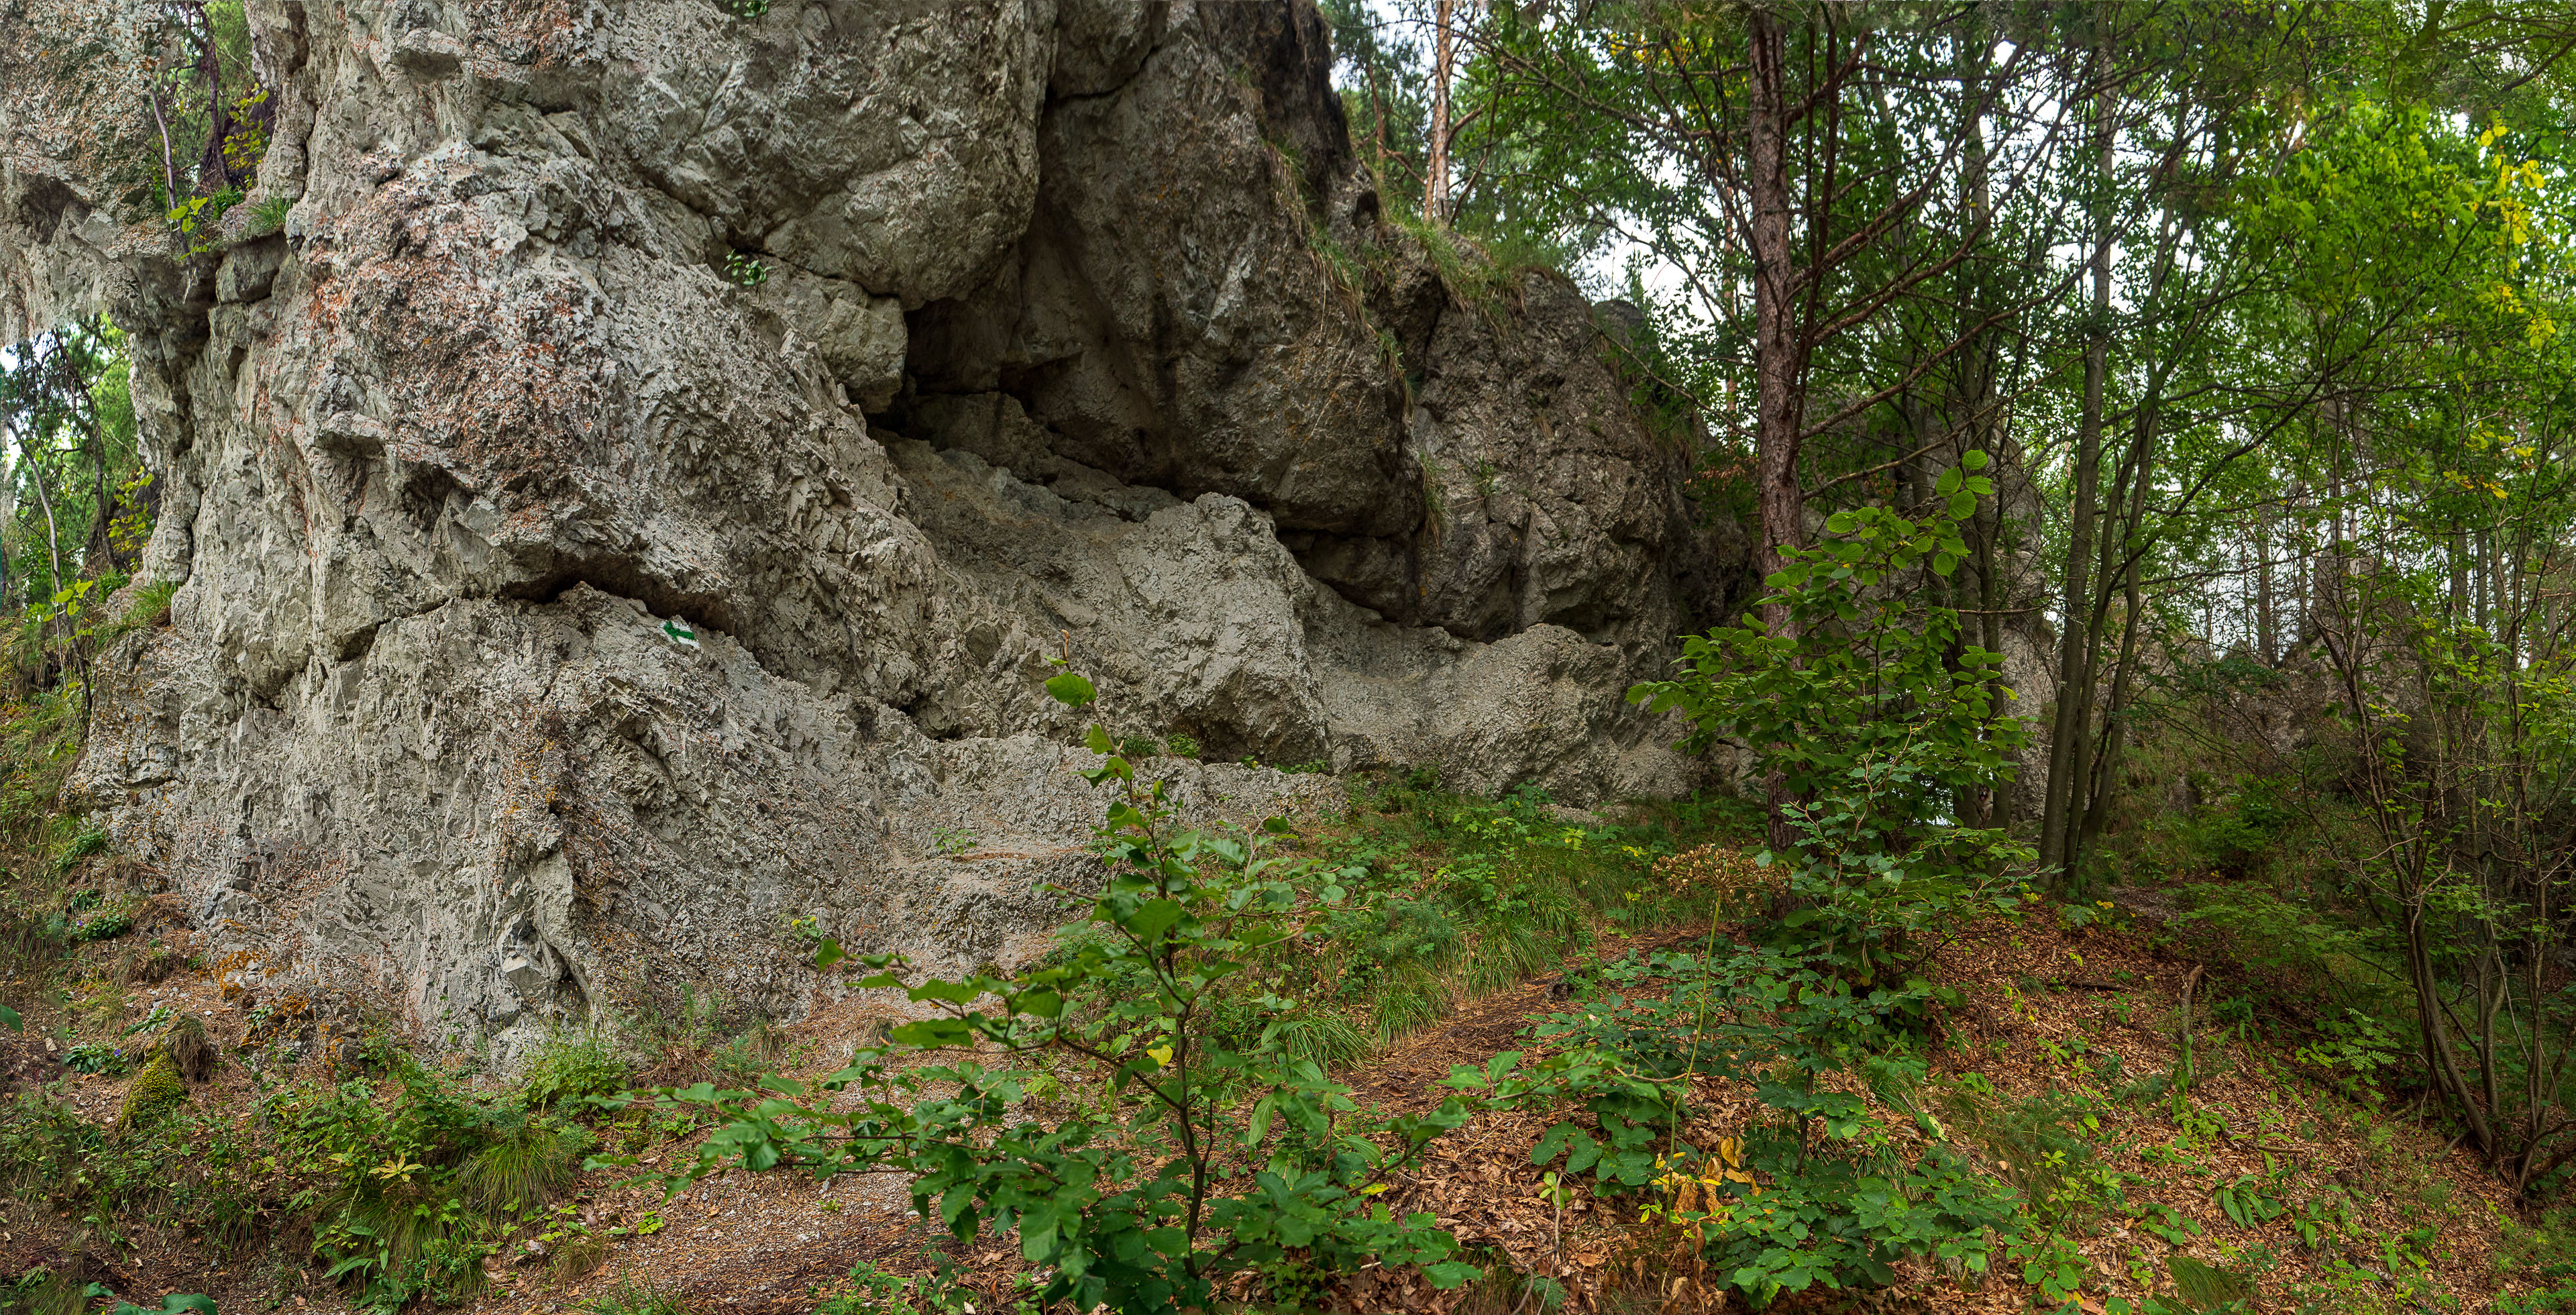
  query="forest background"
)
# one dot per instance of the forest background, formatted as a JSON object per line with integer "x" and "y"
{"x": 2257, "y": 310}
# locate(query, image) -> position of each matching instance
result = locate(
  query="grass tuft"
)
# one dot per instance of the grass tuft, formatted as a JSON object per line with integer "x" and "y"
{"x": 528, "y": 1167}
{"x": 571, "y": 1066}
{"x": 632, "y": 1296}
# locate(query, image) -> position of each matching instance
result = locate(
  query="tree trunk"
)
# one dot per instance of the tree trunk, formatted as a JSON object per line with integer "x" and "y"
{"x": 1978, "y": 403}
{"x": 2067, "y": 756}
{"x": 1435, "y": 166}
{"x": 2267, "y": 634}
{"x": 1777, "y": 414}
{"x": 2115, "y": 723}
{"x": 214, "y": 173}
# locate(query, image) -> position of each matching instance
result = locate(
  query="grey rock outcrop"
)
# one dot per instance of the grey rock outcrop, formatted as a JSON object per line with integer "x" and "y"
{"x": 559, "y": 616}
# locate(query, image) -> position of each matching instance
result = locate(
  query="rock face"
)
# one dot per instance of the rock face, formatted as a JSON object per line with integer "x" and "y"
{"x": 629, "y": 499}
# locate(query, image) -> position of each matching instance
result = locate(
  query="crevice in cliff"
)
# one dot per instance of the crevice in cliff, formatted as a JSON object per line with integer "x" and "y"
{"x": 623, "y": 580}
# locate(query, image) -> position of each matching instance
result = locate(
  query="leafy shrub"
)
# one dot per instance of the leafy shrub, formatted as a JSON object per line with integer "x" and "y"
{"x": 1884, "y": 728}
{"x": 872, "y": 1291}
{"x": 2544, "y": 1251}
{"x": 98, "y": 1057}
{"x": 197, "y": 219}
{"x": 1123, "y": 1202}
{"x": 875, "y": 1290}
{"x": 2234, "y": 832}
{"x": 181, "y": 1171}
{"x": 103, "y": 927}
{"x": 385, "y": 1181}
{"x": 1815, "y": 1193}
{"x": 1860, "y": 675}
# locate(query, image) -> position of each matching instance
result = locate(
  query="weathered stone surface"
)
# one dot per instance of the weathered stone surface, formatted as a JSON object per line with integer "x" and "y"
{"x": 1167, "y": 318}
{"x": 560, "y": 615}
{"x": 1549, "y": 501}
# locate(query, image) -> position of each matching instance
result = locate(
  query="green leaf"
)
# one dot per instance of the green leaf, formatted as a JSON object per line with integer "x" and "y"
{"x": 10, "y": 1017}
{"x": 1097, "y": 739}
{"x": 1451, "y": 1273}
{"x": 932, "y": 1034}
{"x": 1152, "y": 918}
{"x": 827, "y": 954}
{"x": 1070, "y": 689}
{"x": 1973, "y": 460}
{"x": 956, "y": 993}
{"x": 1962, "y": 506}
{"x": 1257, "y": 1125}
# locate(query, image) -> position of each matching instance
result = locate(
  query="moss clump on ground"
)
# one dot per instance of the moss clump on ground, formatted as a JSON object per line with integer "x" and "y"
{"x": 154, "y": 1092}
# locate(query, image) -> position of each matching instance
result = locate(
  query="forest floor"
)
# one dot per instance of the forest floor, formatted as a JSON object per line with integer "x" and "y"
{"x": 2391, "y": 1207}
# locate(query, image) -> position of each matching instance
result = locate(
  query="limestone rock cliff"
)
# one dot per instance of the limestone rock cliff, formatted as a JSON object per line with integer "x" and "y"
{"x": 1081, "y": 334}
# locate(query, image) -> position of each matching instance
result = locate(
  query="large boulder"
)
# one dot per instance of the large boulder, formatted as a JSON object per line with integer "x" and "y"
{"x": 627, "y": 468}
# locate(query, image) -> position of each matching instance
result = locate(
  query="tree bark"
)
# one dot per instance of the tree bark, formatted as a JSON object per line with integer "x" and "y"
{"x": 1435, "y": 165}
{"x": 1978, "y": 404}
{"x": 2067, "y": 756}
{"x": 2267, "y": 635}
{"x": 1777, "y": 415}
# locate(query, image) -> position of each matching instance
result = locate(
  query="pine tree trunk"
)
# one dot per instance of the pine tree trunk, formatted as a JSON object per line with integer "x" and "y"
{"x": 1782, "y": 501}
{"x": 1435, "y": 165}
